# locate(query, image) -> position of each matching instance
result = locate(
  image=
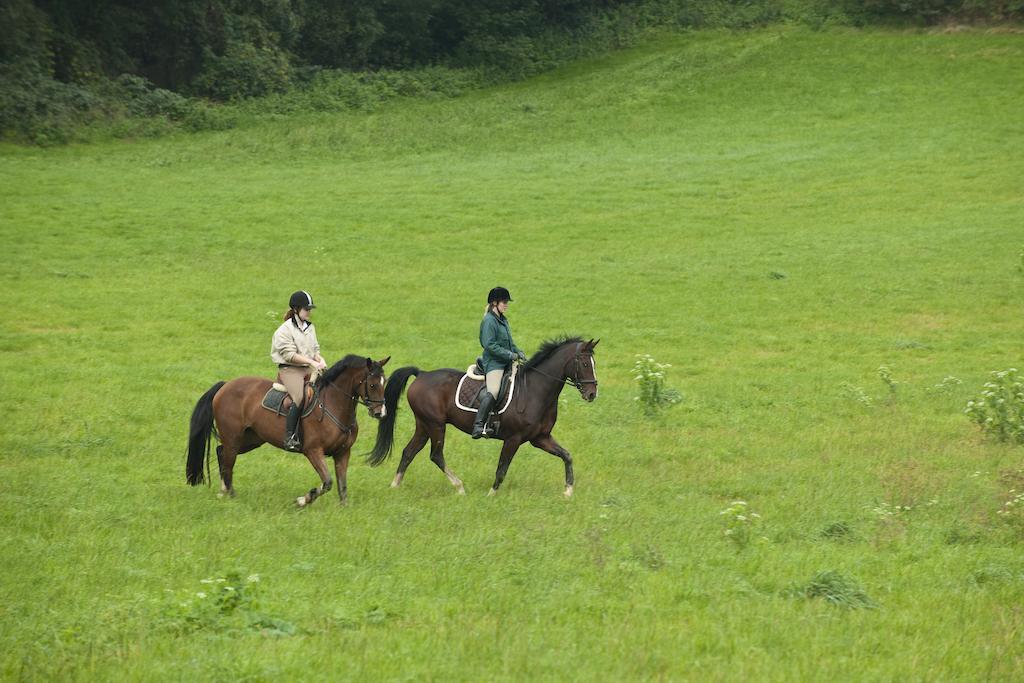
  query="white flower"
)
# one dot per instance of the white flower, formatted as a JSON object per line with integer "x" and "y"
{"x": 253, "y": 578}
{"x": 200, "y": 594}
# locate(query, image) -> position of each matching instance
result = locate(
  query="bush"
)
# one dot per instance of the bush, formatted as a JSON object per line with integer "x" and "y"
{"x": 244, "y": 70}
{"x": 931, "y": 11}
{"x": 39, "y": 109}
{"x": 650, "y": 376}
{"x": 835, "y": 589}
{"x": 330, "y": 90}
{"x": 999, "y": 409}
{"x": 142, "y": 98}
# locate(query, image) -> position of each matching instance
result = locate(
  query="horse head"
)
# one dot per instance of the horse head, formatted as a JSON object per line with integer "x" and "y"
{"x": 584, "y": 372}
{"x": 371, "y": 389}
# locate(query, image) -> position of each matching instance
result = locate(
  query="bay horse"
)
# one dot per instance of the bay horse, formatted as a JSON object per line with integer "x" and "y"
{"x": 232, "y": 412}
{"x": 530, "y": 418}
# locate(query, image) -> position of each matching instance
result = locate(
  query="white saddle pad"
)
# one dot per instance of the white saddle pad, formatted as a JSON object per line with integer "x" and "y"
{"x": 470, "y": 375}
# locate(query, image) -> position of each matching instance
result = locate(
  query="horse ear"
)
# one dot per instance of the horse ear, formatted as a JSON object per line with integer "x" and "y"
{"x": 594, "y": 343}
{"x": 369, "y": 364}
{"x": 384, "y": 362}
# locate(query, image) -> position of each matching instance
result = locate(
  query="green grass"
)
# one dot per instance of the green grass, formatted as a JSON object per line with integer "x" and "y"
{"x": 774, "y": 213}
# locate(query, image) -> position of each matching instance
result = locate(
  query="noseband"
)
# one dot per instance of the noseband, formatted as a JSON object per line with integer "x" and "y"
{"x": 576, "y": 366}
{"x": 364, "y": 397}
{"x": 573, "y": 379}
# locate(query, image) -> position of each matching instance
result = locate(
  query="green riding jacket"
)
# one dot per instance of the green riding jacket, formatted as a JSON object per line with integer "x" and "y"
{"x": 496, "y": 340}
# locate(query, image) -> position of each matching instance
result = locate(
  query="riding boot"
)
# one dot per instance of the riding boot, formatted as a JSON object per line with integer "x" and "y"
{"x": 291, "y": 437}
{"x": 486, "y": 403}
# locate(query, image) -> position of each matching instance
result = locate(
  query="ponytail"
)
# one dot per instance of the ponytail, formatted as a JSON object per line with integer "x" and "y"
{"x": 289, "y": 315}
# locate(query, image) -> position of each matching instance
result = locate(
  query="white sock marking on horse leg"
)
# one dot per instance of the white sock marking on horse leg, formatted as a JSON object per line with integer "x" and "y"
{"x": 456, "y": 482}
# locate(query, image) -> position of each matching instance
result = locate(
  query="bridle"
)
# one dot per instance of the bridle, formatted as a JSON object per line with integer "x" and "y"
{"x": 364, "y": 398}
{"x": 358, "y": 397}
{"x": 574, "y": 378}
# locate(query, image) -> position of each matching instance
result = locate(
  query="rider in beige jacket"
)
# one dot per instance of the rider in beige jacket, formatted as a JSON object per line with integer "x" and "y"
{"x": 296, "y": 351}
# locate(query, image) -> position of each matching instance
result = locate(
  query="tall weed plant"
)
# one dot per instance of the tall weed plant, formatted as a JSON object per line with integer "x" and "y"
{"x": 999, "y": 408}
{"x": 653, "y": 395}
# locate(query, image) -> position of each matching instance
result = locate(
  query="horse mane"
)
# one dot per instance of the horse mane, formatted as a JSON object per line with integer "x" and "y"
{"x": 548, "y": 349}
{"x": 332, "y": 373}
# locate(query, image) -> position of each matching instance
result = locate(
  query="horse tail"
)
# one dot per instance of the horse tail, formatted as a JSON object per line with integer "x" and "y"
{"x": 201, "y": 428}
{"x": 386, "y": 428}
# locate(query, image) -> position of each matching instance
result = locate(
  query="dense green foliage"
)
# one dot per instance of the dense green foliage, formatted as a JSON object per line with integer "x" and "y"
{"x": 60, "y": 60}
{"x": 775, "y": 213}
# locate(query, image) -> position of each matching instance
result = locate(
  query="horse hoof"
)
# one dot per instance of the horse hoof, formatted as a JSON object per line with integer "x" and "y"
{"x": 301, "y": 501}
{"x": 568, "y": 492}
{"x": 461, "y": 490}
{"x": 492, "y": 492}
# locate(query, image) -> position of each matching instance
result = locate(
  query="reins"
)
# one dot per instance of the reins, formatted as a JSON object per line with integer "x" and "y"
{"x": 364, "y": 399}
{"x": 573, "y": 381}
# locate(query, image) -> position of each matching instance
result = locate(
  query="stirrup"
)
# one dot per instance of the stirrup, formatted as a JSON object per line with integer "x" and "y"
{"x": 292, "y": 443}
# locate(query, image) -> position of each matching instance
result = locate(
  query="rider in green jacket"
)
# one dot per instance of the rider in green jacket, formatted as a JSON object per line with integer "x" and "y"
{"x": 499, "y": 352}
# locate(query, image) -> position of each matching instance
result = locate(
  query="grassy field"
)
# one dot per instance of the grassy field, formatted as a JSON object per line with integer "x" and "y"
{"x": 776, "y": 214}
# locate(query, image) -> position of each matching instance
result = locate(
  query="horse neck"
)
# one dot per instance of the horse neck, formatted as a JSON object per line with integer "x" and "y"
{"x": 339, "y": 394}
{"x": 554, "y": 370}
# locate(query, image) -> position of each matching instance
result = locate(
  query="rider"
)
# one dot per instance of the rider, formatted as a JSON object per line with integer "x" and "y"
{"x": 296, "y": 351}
{"x": 499, "y": 352}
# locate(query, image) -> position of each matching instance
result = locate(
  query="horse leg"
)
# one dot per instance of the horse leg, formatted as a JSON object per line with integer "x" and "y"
{"x": 437, "y": 456}
{"x": 415, "y": 445}
{"x": 341, "y": 473}
{"x": 316, "y": 459}
{"x": 226, "y": 454}
{"x": 508, "y": 451}
{"x": 546, "y": 442}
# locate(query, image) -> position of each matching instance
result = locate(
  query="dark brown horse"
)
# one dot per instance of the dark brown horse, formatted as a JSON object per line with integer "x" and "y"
{"x": 530, "y": 418}
{"x": 232, "y": 412}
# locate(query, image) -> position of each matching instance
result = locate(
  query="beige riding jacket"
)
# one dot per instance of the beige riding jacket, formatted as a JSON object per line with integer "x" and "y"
{"x": 291, "y": 339}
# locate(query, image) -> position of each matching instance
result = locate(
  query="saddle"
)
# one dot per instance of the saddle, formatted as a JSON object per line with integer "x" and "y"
{"x": 473, "y": 384}
{"x": 278, "y": 400}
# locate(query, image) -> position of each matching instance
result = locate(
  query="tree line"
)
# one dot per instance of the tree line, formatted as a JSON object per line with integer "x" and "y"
{"x": 227, "y": 49}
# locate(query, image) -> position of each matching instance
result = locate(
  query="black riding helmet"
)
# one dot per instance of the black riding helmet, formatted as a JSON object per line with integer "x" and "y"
{"x": 498, "y": 294}
{"x": 300, "y": 299}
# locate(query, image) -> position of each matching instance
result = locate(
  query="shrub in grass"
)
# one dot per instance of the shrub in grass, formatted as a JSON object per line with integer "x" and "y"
{"x": 1012, "y": 512}
{"x": 946, "y": 386}
{"x": 836, "y": 589}
{"x": 225, "y": 604}
{"x": 837, "y": 531}
{"x": 855, "y": 393}
{"x": 999, "y": 409}
{"x": 741, "y": 523}
{"x": 885, "y": 374}
{"x": 650, "y": 377}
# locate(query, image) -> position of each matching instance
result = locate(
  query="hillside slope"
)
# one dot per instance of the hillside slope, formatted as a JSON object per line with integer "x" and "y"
{"x": 777, "y": 214}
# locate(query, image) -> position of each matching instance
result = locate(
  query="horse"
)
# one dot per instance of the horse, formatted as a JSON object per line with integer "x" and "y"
{"x": 530, "y": 418}
{"x": 232, "y": 412}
